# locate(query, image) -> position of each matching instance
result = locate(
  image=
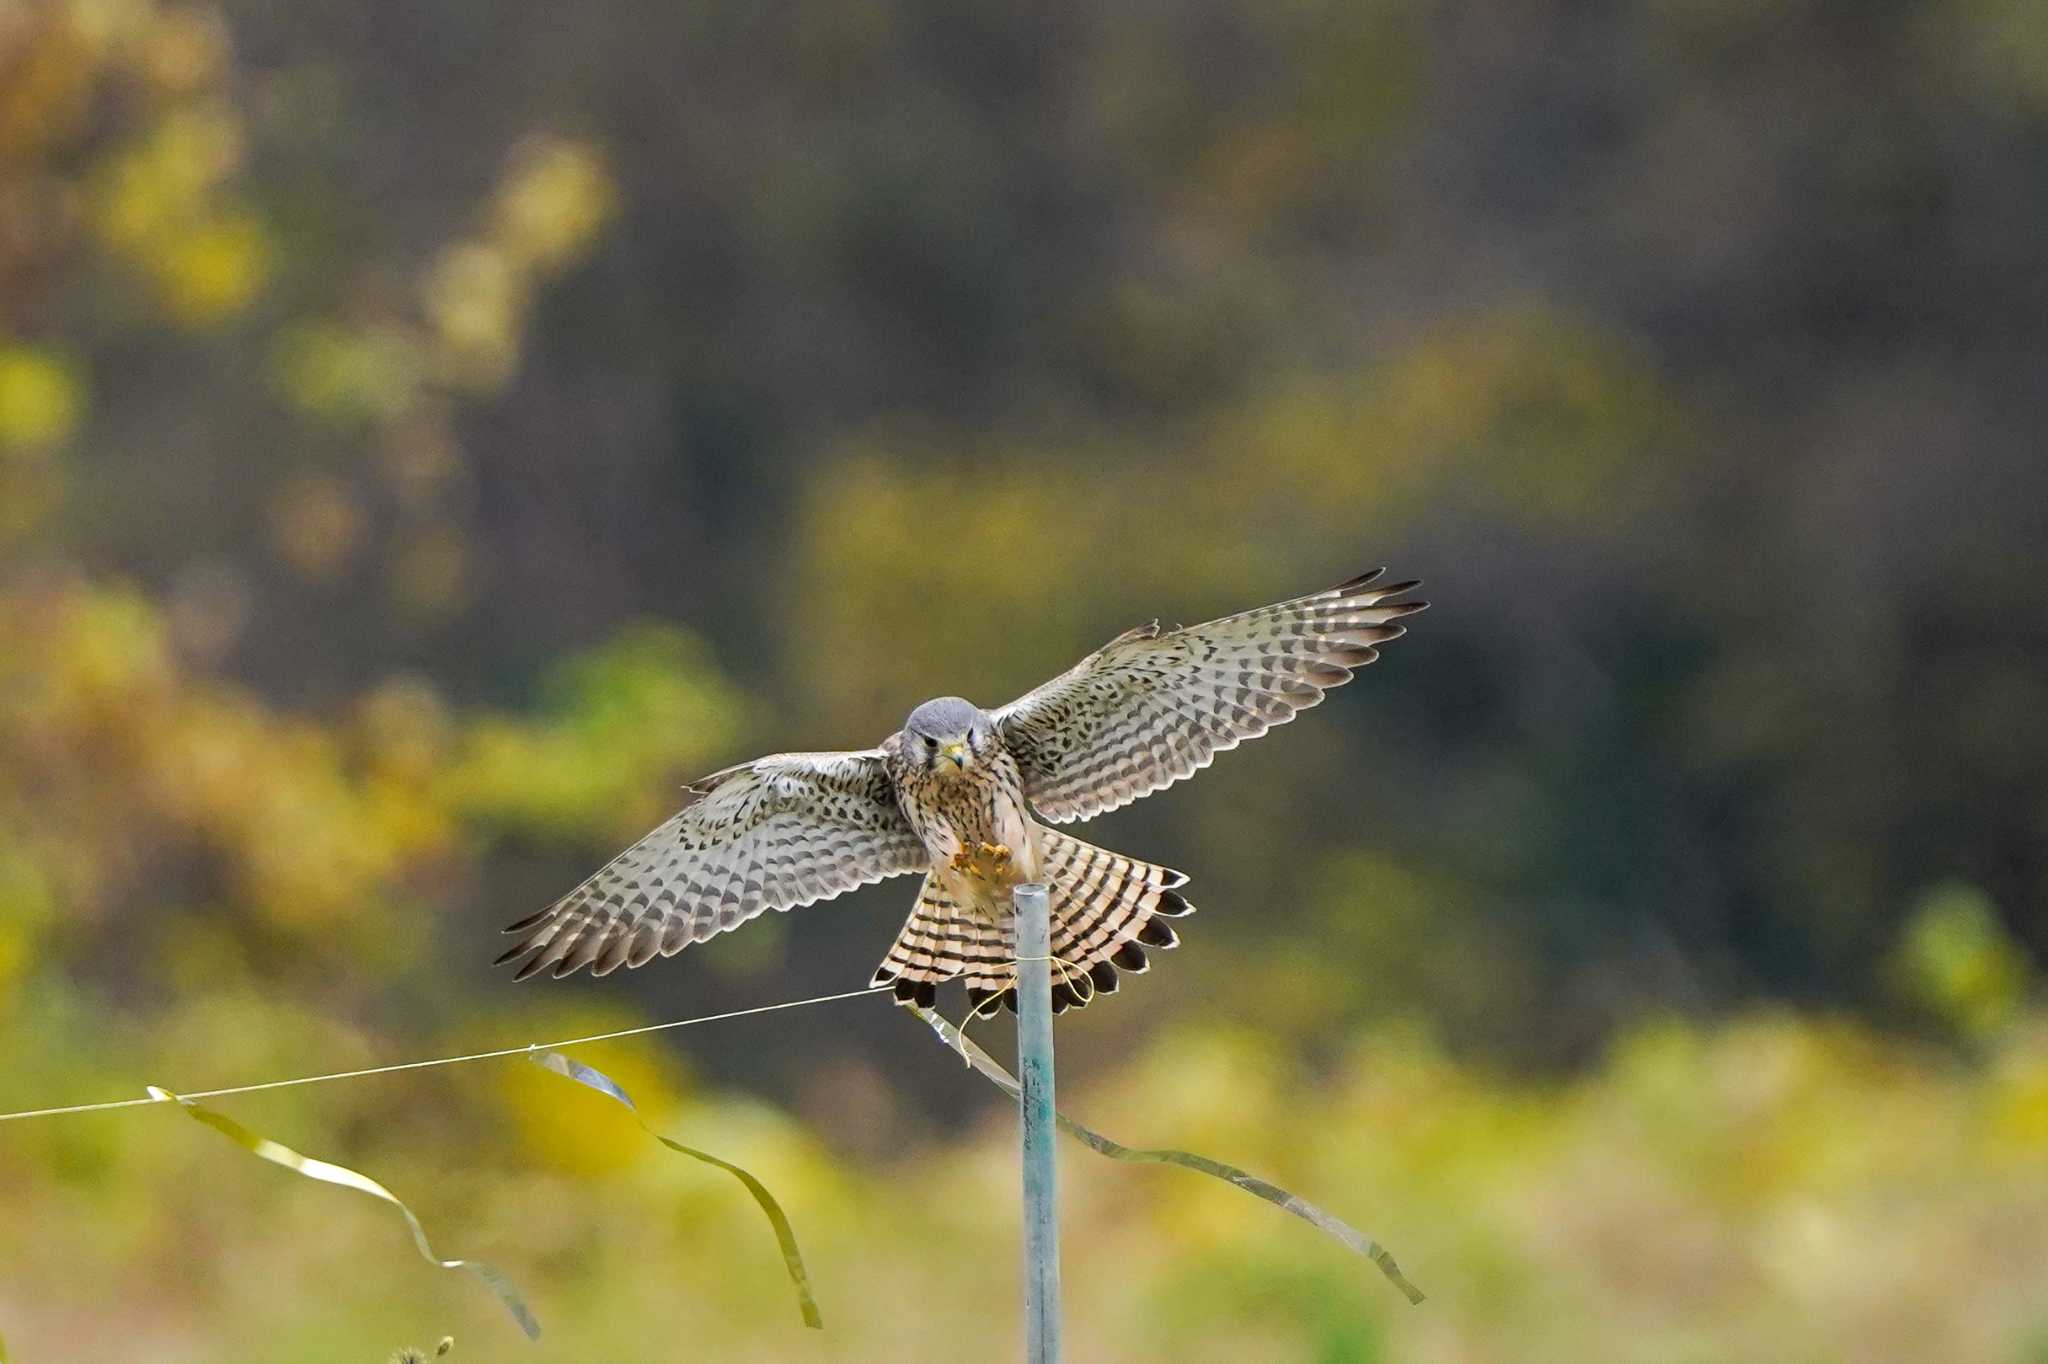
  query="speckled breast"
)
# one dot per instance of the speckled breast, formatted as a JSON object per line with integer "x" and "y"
{"x": 982, "y": 805}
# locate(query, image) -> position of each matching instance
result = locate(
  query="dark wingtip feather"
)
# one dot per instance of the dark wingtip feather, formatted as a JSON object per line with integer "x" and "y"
{"x": 612, "y": 955}
{"x": 1149, "y": 630}
{"x": 530, "y": 921}
{"x": 533, "y": 965}
{"x": 1010, "y": 999}
{"x": 1131, "y": 957}
{"x": 1353, "y": 584}
{"x": 510, "y": 954}
{"x": 1104, "y": 977}
{"x": 1172, "y": 904}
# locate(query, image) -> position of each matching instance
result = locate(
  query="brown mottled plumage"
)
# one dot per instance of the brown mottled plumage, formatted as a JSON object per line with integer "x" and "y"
{"x": 959, "y": 794}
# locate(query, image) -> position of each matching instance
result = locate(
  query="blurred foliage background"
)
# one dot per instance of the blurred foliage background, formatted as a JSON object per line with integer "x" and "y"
{"x": 431, "y": 432}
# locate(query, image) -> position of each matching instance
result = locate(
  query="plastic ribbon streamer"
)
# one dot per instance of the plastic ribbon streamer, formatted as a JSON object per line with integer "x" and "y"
{"x": 1280, "y": 1198}
{"x": 278, "y": 1154}
{"x": 792, "y": 1259}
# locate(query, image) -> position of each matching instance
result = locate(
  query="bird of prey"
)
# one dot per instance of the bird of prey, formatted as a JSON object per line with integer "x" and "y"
{"x": 964, "y": 796}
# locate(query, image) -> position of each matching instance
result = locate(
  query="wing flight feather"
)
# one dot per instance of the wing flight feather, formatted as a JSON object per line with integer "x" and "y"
{"x": 775, "y": 833}
{"x": 1154, "y": 706}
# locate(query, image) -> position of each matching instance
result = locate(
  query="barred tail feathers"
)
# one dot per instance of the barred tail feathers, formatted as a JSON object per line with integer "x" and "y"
{"x": 1106, "y": 909}
{"x": 940, "y": 940}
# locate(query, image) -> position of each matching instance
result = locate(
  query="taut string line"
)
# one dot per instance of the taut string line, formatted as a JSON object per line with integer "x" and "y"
{"x": 437, "y": 1061}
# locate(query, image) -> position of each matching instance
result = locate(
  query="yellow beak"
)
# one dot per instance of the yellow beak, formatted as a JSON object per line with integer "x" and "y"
{"x": 957, "y": 752}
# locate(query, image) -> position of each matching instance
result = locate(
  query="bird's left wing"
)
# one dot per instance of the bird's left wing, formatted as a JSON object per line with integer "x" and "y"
{"x": 1153, "y": 706}
{"x": 774, "y": 833}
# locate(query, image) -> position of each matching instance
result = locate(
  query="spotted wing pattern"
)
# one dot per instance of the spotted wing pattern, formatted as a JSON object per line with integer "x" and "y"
{"x": 1153, "y": 706}
{"x": 774, "y": 833}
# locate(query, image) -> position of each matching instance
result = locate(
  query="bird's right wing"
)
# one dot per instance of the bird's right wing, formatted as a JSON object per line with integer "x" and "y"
{"x": 1153, "y": 706}
{"x": 774, "y": 833}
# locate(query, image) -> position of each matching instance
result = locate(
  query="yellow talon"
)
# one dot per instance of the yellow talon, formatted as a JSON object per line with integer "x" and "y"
{"x": 983, "y": 862}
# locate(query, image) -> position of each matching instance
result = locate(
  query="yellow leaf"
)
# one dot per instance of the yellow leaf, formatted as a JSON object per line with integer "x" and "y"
{"x": 41, "y": 398}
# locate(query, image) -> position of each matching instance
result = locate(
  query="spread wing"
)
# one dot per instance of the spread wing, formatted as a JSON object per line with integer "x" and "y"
{"x": 1153, "y": 706}
{"x": 774, "y": 833}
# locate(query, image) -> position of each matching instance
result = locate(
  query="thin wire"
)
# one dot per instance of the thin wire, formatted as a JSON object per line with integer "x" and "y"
{"x": 440, "y": 1060}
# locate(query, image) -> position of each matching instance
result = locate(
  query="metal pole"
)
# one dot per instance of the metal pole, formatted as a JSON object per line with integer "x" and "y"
{"x": 1035, "y": 1098}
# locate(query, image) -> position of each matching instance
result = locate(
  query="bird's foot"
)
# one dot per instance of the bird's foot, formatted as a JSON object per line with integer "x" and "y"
{"x": 984, "y": 861}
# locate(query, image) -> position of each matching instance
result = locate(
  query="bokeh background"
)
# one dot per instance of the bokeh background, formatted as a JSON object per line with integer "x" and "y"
{"x": 430, "y": 432}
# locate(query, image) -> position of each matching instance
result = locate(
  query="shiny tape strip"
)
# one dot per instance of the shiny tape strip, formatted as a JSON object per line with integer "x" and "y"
{"x": 792, "y": 1258}
{"x": 1280, "y": 1198}
{"x": 328, "y": 1173}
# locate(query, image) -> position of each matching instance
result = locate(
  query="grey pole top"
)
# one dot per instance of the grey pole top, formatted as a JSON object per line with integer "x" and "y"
{"x": 1035, "y": 1098}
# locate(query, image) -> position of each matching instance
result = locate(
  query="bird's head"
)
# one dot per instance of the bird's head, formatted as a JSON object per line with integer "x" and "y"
{"x": 947, "y": 736}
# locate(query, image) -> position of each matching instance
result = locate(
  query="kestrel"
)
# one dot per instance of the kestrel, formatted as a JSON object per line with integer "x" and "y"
{"x": 965, "y": 795}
